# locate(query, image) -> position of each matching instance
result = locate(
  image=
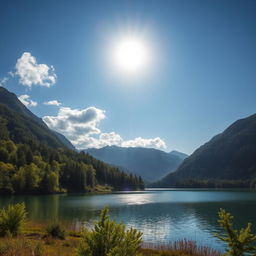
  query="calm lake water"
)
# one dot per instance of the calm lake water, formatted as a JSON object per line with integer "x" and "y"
{"x": 162, "y": 215}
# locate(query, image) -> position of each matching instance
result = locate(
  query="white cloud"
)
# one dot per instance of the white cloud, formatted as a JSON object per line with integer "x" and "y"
{"x": 3, "y": 81}
{"x": 52, "y": 103}
{"x": 104, "y": 139}
{"x": 77, "y": 125}
{"x": 81, "y": 127}
{"x": 30, "y": 73}
{"x": 25, "y": 99}
{"x": 145, "y": 143}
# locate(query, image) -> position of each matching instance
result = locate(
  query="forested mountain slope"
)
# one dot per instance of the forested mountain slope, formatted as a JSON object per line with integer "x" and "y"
{"x": 23, "y": 125}
{"x": 33, "y": 159}
{"x": 228, "y": 159}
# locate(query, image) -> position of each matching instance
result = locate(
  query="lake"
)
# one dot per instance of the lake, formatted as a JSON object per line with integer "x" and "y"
{"x": 162, "y": 215}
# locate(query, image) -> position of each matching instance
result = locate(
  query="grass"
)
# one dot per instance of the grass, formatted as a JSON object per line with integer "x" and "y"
{"x": 179, "y": 248}
{"x": 35, "y": 242}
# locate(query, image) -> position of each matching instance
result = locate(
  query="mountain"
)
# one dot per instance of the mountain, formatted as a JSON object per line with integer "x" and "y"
{"x": 151, "y": 164}
{"x": 64, "y": 140}
{"x": 228, "y": 159}
{"x": 179, "y": 154}
{"x": 35, "y": 159}
{"x": 24, "y": 125}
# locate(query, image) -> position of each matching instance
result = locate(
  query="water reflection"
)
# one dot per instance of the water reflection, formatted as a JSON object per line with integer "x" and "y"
{"x": 162, "y": 216}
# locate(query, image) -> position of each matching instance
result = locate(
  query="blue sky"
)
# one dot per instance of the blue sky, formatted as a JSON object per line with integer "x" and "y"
{"x": 201, "y": 79}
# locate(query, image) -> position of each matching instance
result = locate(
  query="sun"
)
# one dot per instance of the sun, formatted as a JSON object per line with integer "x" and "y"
{"x": 130, "y": 55}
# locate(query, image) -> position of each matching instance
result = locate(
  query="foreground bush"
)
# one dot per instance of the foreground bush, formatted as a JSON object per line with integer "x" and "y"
{"x": 12, "y": 219}
{"x": 240, "y": 243}
{"x": 109, "y": 238}
{"x": 56, "y": 230}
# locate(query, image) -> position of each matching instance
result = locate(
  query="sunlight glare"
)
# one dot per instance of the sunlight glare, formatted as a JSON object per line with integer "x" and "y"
{"x": 130, "y": 55}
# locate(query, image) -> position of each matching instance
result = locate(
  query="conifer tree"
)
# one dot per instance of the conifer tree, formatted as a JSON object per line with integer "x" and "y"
{"x": 109, "y": 238}
{"x": 240, "y": 243}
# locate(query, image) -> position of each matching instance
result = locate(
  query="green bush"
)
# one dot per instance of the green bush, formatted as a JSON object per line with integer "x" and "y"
{"x": 56, "y": 230}
{"x": 12, "y": 219}
{"x": 240, "y": 242}
{"x": 109, "y": 238}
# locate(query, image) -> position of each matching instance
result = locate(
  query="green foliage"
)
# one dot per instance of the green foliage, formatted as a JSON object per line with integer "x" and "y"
{"x": 109, "y": 238}
{"x": 12, "y": 219}
{"x": 55, "y": 229}
{"x": 40, "y": 169}
{"x": 240, "y": 242}
{"x": 6, "y": 171}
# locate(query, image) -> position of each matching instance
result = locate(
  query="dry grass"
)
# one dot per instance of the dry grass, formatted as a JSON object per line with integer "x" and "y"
{"x": 34, "y": 242}
{"x": 24, "y": 246}
{"x": 181, "y": 247}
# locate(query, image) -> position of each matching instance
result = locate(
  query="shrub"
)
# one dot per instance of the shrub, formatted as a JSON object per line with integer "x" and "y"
{"x": 240, "y": 242}
{"x": 12, "y": 219}
{"x": 56, "y": 230}
{"x": 109, "y": 238}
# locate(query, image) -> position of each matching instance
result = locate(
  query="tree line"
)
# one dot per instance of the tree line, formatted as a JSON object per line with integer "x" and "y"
{"x": 37, "y": 168}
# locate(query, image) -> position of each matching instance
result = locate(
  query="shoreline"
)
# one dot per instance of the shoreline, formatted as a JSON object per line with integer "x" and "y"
{"x": 35, "y": 241}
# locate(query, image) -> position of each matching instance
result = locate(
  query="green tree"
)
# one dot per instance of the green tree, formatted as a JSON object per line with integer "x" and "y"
{"x": 240, "y": 243}
{"x": 27, "y": 179}
{"x": 4, "y": 155}
{"x": 52, "y": 182}
{"x": 91, "y": 176}
{"x": 109, "y": 238}
{"x": 12, "y": 219}
{"x": 6, "y": 172}
{"x": 9, "y": 145}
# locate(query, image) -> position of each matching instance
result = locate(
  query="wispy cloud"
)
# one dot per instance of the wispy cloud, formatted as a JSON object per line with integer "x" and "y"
{"x": 3, "y": 81}
{"x": 25, "y": 99}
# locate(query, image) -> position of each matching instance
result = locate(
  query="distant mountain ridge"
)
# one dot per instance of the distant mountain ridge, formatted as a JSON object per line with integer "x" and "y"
{"x": 229, "y": 157}
{"x": 179, "y": 154}
{"x": 151, "y": 164}
{"x": 22, "y": 122}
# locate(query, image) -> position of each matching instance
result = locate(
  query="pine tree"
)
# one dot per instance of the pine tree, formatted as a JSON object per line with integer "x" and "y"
{"x": 240, "y": 243}
{"x": 109, "y": 238}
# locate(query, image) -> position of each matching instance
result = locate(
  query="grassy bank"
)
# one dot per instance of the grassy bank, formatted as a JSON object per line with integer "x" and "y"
{"x": 36, "y": 242}
{"x": 106, "y": 238}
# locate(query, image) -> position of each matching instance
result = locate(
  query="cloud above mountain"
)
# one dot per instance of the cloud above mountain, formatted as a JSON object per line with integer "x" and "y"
{"x": 146, "y": 143}
{"x": 77, "y": 125}
{"x": 81, "y": 127}
{"x": 25, "y": 99}
{"x": 31, "y": 73}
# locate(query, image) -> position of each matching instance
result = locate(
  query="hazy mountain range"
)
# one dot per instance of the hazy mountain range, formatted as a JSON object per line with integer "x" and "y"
{"x": 151, "y": 164}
